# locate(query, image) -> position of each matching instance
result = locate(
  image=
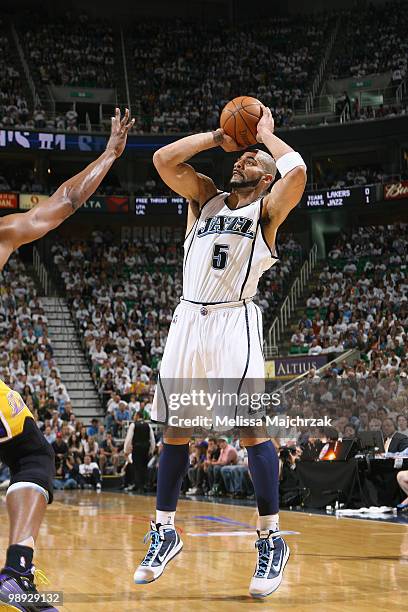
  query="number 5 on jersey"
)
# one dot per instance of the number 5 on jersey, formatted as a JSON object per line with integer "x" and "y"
{"x": 220, "y": 256}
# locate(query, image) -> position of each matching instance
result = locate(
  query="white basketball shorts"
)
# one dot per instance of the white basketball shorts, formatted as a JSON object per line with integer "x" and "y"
{"x": 214, "y": 359}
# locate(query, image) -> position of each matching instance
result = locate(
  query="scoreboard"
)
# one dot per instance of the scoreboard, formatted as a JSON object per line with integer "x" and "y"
{"x": 176, "y": 206}
{"x": 160, "y": 205}
{"x": 345, "y": 196}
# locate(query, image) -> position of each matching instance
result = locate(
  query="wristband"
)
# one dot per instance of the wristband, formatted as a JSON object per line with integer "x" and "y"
{"x": 288, "y": 162}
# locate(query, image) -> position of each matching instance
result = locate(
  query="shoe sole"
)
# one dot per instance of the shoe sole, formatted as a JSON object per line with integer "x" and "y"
{"x": 171, "y": 556}
{"x": 275, "y": 588}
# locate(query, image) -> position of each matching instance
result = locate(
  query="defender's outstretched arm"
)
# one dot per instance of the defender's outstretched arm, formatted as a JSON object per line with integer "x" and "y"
{"x": 21, "y": 228}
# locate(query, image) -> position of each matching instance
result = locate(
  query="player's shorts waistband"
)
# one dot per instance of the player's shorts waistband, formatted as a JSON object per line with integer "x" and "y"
{"x": 209, "y": 307}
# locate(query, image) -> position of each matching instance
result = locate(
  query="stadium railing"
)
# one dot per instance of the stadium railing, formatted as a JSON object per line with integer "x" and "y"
{"x": 308, "y": 110}
{"x": 41, "y": 271}
{"x": 280, "y": 322}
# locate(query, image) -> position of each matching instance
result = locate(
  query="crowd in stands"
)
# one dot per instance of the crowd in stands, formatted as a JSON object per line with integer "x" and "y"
{"x": 183, "y": 81}
{"x": 68, "y": 50}
{"x": 350, "y": 109}
{"x": 27, "y": 363}
{"x": 375, "y": 43}
{"x": 354, "y": 175}
{"x": 24, "y": 179}
{"x": 361, "y": 299}
{"x": 28, "y": 366}
{"x": 13, "y": 103}
{"x": 15, "y": 114}
{"x": 193, "y": 69}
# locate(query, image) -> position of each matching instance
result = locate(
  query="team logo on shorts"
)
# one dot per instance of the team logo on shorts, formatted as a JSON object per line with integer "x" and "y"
{"x": 223, "y": 224}
{"x": 16, "y": 402}
{"x": 174, "y": 320}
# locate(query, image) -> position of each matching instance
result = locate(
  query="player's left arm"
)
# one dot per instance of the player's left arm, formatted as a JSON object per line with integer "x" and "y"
{"x": 287, "y": 191}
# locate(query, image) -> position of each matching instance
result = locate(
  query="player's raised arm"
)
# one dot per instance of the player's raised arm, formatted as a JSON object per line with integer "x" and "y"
{"x": 287, "y": 191}
{"x": 19, "y": 229}
{"x": 181, "y": 177}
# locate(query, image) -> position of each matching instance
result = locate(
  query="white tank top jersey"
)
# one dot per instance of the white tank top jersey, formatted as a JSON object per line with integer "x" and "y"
{"x": 225, "y": 253}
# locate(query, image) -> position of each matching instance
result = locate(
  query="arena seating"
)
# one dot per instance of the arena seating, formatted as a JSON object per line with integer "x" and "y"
{"x": 376, "y": 43}
{"x": 360, "y": 301}
{"x": 13, "y": 104}
{"x": 27, "y": 362}
{"x": 360, "y": 175}
{"x": 180, "y": 84}
{"x": 184, "y": 80}
{"x": 68, "y": 50}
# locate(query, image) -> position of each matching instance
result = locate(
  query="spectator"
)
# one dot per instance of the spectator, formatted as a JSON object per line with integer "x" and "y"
{"x": 60, "y": 449}
{"x": 237, "y": 481}
{"x": 90, "y": 474}
{"x": 394, "y": 442}
{"x": 228, "y": 456}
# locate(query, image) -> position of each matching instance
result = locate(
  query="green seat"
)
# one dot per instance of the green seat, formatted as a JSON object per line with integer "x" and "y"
{"x": 294, "y": 350}
{"x": 304, "y": 350}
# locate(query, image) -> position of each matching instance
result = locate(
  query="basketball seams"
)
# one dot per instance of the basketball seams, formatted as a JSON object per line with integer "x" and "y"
{"x": 237, "y": 107}
{"x": 224, "y": 123}
{"x": 256, "y": 104}
{"x": 243, "y": 119}
{"x": 245, "y": 108}
{"x": 246, "y": 124}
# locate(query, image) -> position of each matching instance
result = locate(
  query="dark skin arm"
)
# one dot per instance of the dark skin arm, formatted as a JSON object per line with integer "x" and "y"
{"x": 22, "y": 228}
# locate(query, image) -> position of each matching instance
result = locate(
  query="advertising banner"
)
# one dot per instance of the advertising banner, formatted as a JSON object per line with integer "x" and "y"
{"x": 8, "y": 200}
{"x": 284, "y": 368}
{"x": 28, "y": 200}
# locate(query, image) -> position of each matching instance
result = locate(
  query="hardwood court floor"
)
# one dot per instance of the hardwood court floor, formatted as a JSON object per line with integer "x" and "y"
{"x": 90, "y": 544}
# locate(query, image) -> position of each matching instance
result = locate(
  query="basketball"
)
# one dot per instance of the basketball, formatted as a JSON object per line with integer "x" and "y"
{"x": 239, "y": 119}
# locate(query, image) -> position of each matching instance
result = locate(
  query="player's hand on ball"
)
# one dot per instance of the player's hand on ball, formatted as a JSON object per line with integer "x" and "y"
{"x": 266, "y": 124}
{"x": 119, "y": 132}
{"x": 227, "y": 143}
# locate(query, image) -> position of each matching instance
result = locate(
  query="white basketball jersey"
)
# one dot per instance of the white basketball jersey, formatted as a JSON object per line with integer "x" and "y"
{"x": 225, "y": 253}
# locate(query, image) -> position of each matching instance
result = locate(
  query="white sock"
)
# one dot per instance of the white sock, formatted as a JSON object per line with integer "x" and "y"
{"x": 165, "y": 518}
{"x": 27, "y": 542}
{"x": 270, "y": 522}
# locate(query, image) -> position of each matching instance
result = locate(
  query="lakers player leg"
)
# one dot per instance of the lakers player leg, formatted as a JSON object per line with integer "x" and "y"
{"x": 402, "y": 479}
{"x": 31, "y": 462}
{"x": 181, "y": 362}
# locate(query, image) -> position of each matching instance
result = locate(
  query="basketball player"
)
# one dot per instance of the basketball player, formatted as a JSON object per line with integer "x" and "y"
{"x": 22, "y": 446}
{"x": 402, "y": 478}
{"x": 216, "y": 330}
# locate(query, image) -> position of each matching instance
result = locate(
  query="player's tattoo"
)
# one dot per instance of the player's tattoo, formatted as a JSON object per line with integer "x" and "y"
{"x": 218, "y": 136}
